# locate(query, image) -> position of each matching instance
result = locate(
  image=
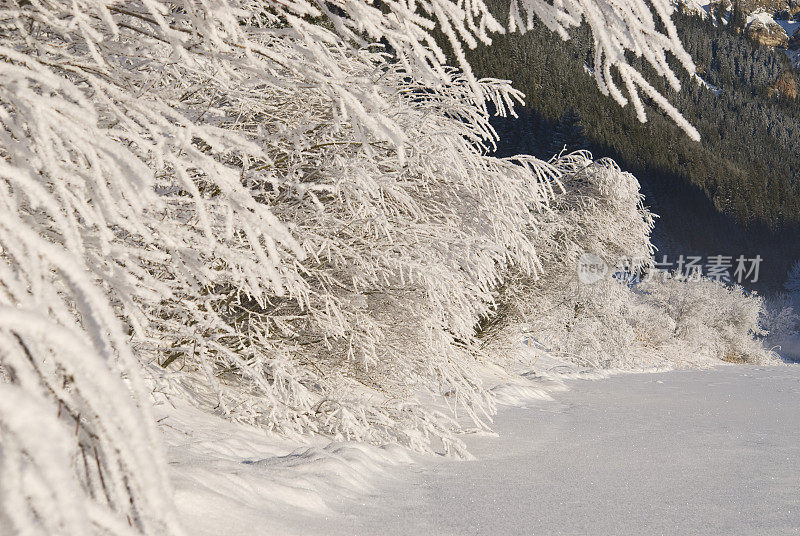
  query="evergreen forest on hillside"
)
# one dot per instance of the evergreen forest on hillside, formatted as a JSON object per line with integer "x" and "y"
{"x": 740, "y": 184}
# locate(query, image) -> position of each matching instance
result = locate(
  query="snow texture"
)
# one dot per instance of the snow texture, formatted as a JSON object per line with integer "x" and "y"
{"x": 714, "y": 89}
{"x": 682, "y": 452}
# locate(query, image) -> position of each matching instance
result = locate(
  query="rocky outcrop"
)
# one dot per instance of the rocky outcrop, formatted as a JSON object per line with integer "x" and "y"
{"x": 784, "y": 87}
{"x": 766, "y": 31}
{"x": 770, "y": 6}
{"x": 718, "y": 9}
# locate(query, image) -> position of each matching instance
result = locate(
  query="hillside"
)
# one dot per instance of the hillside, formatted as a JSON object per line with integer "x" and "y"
{"x": 742, "y": 181}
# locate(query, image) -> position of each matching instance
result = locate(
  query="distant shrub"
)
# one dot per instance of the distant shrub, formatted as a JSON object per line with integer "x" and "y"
{"x": 613, "y": 323}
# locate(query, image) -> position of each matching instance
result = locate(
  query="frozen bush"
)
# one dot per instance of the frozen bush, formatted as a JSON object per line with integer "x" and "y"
{"x": 711, "y": 319}
{"x": 614, "y": 323}
{"x": 782, "y": 320}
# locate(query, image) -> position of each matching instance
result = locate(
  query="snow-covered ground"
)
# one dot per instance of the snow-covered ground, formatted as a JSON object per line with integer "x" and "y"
{"x": 714, "y": 89}
{"x": 789, "y": 26}
{"x": 684, "y": 452}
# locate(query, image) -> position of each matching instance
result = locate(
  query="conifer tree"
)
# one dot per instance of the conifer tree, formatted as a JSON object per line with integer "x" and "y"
{"x": 738, "y": 20}
{"x": 568, "y": 134}
{"x": 792, "y": 283}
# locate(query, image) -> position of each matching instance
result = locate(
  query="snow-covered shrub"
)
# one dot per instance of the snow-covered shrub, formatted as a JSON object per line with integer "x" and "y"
{"x": 610, "y": 322}
{"x": 79, "y": 452}
{"x": 781, "y": 316}
{"x": 402, "y": 252}
{"x": 600, "y": 212}
{"x": 711, "y": 320}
